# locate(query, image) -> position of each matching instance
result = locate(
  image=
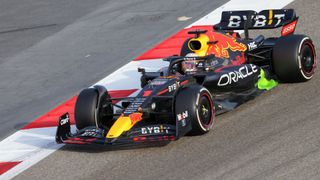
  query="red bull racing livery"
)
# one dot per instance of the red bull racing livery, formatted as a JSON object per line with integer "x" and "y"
{"x": 216, "y": 71}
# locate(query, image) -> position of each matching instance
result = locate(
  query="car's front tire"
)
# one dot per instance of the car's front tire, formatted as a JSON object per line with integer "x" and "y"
{"x": 195, "y": 103}
{"x": 93, "y": 108}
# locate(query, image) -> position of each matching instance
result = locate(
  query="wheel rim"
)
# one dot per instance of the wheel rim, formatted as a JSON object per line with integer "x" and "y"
{"x": 307, "y": 59}
{"x": 205, "y": 110}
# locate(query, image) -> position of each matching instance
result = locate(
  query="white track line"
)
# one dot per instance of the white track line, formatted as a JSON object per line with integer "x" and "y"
{"x": 32, "y": 145}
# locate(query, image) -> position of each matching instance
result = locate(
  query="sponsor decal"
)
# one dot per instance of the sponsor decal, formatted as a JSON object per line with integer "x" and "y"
{"x": 91, "y": 133}
{"x": 213, "y": 63}
{"x": 65, "y": 120}
{"x": 234, "y": 76}
{"x": 289, "y": 28}
{"x": 174, "y": 86}
{"x": 155, "y": 130}
{"x": 182, "y": 115}
{"x": 190, "y": 58}
{"x": 183, "y": 122}
{"x": 200, "y": 65}
{"x": 225, "y": 43}
{"x": 134, "y": 105}
{"x": 252, "y": 46}
{"x": 260, "y": 20}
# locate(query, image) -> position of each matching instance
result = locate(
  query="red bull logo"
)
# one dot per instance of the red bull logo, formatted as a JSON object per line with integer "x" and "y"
{"x": 225, "y": 43}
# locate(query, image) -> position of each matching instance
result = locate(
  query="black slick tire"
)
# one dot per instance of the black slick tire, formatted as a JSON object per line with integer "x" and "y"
{"x": 93, "y": 108}
{"x": 85, "y": 108}
{"x": 196, "y": 102}
{"x": 294, "y": 58}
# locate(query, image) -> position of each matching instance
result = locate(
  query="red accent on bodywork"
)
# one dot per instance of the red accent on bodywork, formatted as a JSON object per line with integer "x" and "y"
{"x": 51, "y": 118}
{"x": 239, "y": 60}
{"x": 172, "y": 138}
{"x": 139, "y": 139}
{"x": 79, "y": 140}
{"x": 223, "y": 67}
{"x": 289, "y": 28}
{"x": 134, "y": 117}
{"x": 163, "y": 91}
{"x": 184, "y": 82}
{"x": 6, "y": 166}
{"x": 147, "y": 93}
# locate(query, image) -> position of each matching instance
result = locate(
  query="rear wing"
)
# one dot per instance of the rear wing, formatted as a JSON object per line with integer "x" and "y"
{"x": 266, "y": 19}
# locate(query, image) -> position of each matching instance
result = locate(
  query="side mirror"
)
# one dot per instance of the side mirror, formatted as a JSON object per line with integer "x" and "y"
{"x": 142, "y": 70}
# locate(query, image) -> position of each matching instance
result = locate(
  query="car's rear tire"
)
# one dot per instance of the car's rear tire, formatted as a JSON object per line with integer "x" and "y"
{"x": 196, "y": 102}
{"x": 294, "y": 58}
{"x": 93, "y": 108}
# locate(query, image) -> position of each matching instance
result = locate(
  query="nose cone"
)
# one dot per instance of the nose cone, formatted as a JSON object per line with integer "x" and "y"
{"x": 123, "y": 124}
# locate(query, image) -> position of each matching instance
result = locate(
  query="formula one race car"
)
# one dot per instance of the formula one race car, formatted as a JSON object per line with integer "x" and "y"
{"x": 216, "y": 71}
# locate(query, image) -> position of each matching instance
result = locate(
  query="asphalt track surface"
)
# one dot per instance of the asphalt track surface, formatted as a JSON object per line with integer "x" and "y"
{"x": 275, "y": 136}
{"x": 25, "y": 77}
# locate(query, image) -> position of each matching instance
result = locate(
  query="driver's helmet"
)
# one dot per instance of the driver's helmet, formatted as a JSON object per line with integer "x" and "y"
{"x": 189, "y": 66}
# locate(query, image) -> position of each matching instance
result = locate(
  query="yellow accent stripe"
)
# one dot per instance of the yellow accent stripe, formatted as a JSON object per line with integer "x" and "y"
{"x": 270, "y": 17}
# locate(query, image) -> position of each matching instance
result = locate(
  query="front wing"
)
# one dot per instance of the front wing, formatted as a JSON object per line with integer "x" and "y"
{"x": 150, "y": 134}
